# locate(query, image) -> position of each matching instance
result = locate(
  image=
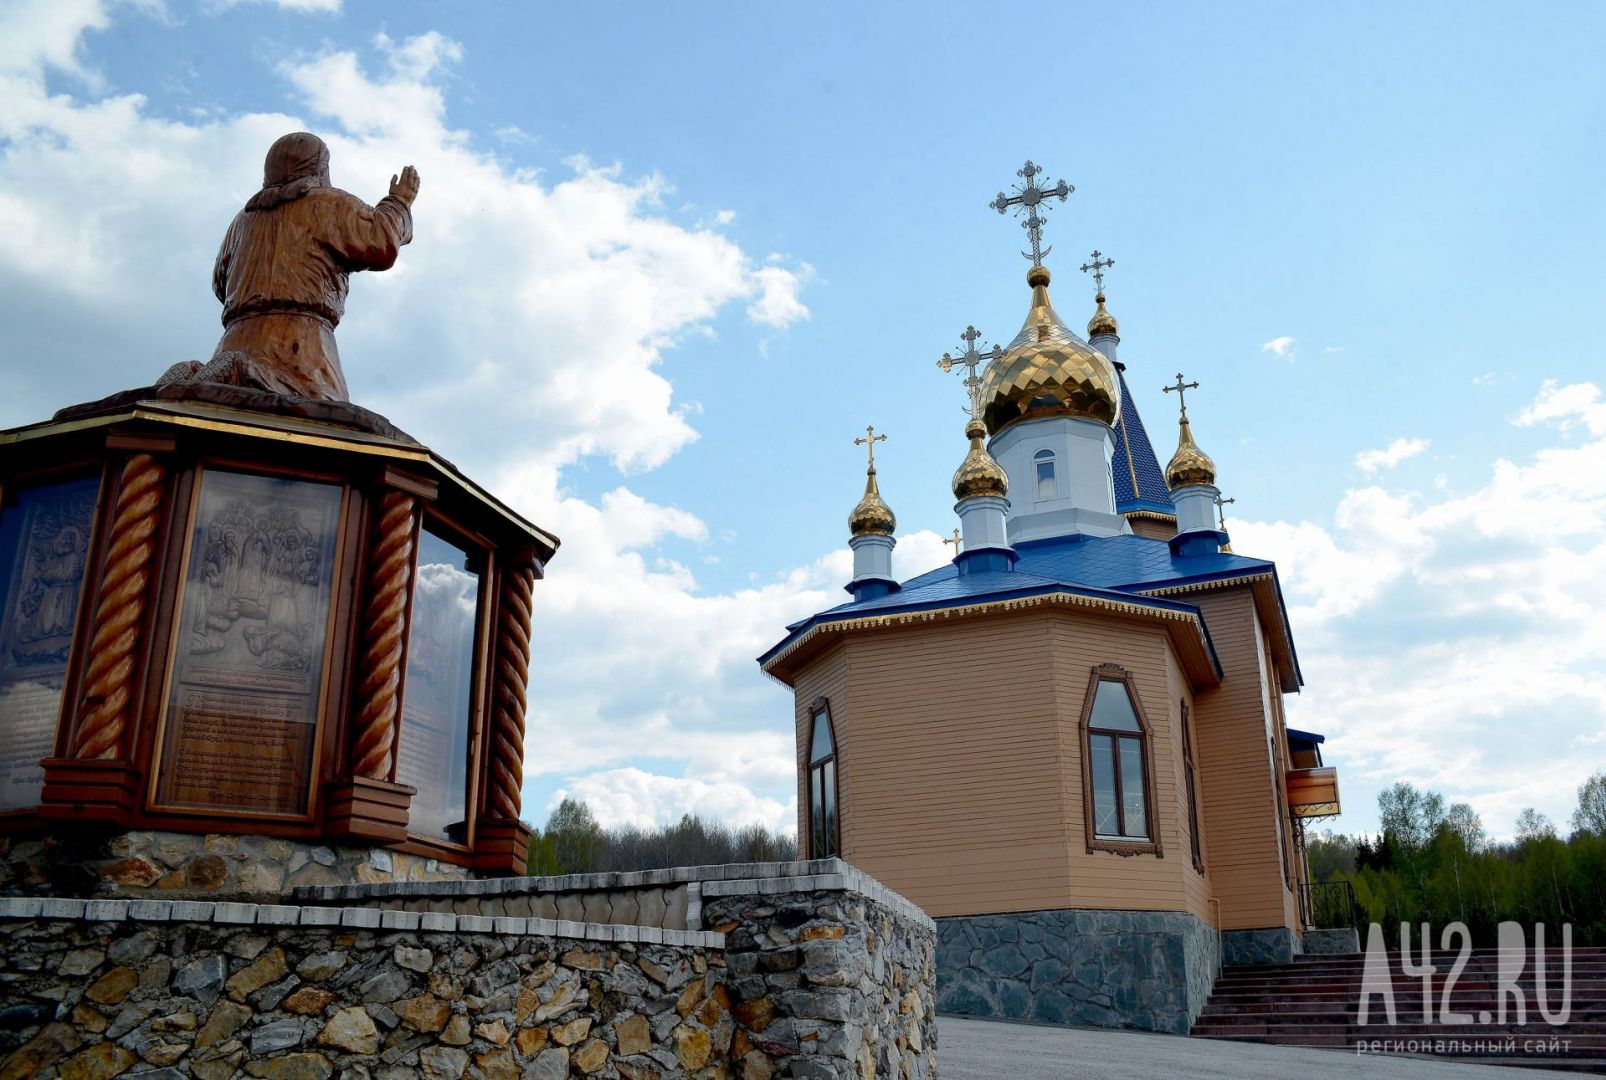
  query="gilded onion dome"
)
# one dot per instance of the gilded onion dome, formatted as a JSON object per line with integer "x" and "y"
{"x": 979, "y": 474}
{"x": 1048, "y": 371}
{"x": 1102, "y": 323}
{"x": 1189, "y": 465}
{"x": 872, "y": 516}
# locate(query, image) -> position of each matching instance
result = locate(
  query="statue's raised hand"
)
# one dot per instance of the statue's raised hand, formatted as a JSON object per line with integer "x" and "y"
{"x": 405, "y": 188}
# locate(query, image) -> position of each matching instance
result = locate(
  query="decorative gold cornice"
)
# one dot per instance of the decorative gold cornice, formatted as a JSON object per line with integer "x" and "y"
{"x": 1151, "y": 515}
{"x": 1053, "y": 599}
{"x": 1201, "y": 586}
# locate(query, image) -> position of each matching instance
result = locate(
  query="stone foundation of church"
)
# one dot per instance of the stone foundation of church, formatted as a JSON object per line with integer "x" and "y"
{"x": 1269, "y": 945}
{"x": 1337, "y": 942}
{"x": 1151, "y": 970}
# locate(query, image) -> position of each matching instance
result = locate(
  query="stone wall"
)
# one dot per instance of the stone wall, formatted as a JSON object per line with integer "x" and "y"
{"x": 174, "y": 865}
{"x": 1132, "y": 969}
{"x": 1271, "y": 945}
{"x": 1335, "y": 942}
{"x": 823, "y": 975}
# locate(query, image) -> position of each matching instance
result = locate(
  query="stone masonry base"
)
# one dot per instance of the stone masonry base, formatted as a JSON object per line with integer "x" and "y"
{"x": 1133, "y": 969}
{"x": 1270, "y": 945}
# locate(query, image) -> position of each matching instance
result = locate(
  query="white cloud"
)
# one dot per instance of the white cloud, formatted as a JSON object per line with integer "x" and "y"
{"x": 631, "y": 796}
{"x": 1282, "y": 347}
{"x": 1332, "y": 348}
{"x": 1460, "y": 643}
{"x": 1370, "y": 461}
{"x": 777, "y": 304}
{"x": 1483, "y": 380}
{"x": 541, "y": 310}
{"x": 725, "y": 217}
{"x": 1567, "y": 407}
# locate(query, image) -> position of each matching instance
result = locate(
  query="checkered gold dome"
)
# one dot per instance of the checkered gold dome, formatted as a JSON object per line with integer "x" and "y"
{"x": 1048, "y": 371}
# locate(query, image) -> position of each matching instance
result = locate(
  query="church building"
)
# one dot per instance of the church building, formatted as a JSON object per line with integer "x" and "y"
{"x": 1068, "y": 746}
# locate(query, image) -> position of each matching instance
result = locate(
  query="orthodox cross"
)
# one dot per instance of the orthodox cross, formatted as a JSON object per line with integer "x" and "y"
{"x": 1179, "y": 388}
{"x": 955, "y": 541}
{"x": 870, "y": 439}
{"x": 970, "y": 360}
{"x": 1097, "y": 268}
{"x": 1221, "y": 513}
{"x": 1031, "y": 196}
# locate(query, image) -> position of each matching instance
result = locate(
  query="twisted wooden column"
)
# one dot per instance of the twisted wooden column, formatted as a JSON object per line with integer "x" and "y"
{"x": 120, "y": 611}
{"x": 384, "y": 633}
{"x": 512, "y": 678}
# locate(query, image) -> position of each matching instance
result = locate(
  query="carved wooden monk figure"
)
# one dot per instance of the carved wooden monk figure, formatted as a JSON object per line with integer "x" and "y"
{"x": 283, "y": 270}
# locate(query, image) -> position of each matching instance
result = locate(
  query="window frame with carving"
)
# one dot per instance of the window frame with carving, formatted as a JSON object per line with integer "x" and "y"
{"x": 831, "y": 811}
{"x": 1150, "y": 845}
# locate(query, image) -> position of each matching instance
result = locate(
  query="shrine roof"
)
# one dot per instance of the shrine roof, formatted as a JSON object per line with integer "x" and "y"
{"x": 1121, "y": 572}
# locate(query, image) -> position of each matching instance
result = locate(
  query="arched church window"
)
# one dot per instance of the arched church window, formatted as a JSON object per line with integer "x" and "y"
{"x": 822, "y": 783}
{"x": 1043, "y": 462}
{"x": 1194, "y": 837}
{"x": 1118, "y": 766}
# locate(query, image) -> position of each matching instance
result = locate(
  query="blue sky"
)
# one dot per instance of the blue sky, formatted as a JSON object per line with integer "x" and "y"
{"x": 671, "y": 259}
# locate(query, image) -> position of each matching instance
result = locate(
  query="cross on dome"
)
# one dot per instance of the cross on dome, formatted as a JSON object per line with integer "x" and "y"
{"x": 970, "y": 360}
{"x": 870, "y": 439}
{"x": 1097, "y": 268}
{"x": 1031, "y": 196}
{"x": 955, "y": 541}
{"x": 1180, "y": 387}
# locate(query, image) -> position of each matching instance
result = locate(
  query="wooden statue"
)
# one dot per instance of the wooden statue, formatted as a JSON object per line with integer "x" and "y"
{"x": 283, "y": 272}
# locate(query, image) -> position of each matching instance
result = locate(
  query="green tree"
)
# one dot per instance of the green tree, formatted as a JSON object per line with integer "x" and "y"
{"x": 1590, "y": 817}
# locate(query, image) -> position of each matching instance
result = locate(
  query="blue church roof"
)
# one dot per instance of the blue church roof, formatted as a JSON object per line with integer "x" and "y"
{"x": 1139, "y": 482}
{"x": 1118, "y": 567}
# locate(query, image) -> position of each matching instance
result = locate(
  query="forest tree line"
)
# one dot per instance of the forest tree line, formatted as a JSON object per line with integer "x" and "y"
{"x": 574, "y": 843}
{"x": 1436, "y": 863}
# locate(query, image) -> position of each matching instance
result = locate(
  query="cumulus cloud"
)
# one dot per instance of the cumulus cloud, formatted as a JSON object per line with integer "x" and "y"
{"x": 1370, "y": 461}
{"x": 631, "y": 796}
{"x": 1439, "y": 636}
{"x": 1282, "y": 347}
{"x": 544, "y": 308}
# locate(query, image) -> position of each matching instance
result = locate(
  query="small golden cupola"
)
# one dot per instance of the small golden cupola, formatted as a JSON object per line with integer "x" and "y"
{"x": 1048, "y": 371}
{"x": 1102, "y": 324}
{"x": 979, "y": 474}
{"x": 1190, "y": 465}
{"x": 872, "y": 517}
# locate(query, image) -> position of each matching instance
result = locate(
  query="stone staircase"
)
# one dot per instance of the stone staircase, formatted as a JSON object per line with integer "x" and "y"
{"x": 1315, "y": 1001}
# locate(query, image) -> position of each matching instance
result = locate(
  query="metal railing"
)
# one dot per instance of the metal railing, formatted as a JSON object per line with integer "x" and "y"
{"x": 1327, "y": 905}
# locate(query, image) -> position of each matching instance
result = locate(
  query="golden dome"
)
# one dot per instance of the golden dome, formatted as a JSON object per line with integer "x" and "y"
{"x": 1102, "y": 322}
{"x": 872, "y": 515}
{"x": 1048, "y": 371}
{"x": 979, "y": 474}
{"x": 1189, "y": 465}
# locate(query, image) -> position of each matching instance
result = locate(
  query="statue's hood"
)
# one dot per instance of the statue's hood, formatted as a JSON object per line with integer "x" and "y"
{"x": 296, "y": 164}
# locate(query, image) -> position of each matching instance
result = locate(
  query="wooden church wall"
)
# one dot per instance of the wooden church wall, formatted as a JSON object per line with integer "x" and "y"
{"x": 950, "y": 774}
{"x": 1103, "y": 879}
{"x": 1236, "y": 771}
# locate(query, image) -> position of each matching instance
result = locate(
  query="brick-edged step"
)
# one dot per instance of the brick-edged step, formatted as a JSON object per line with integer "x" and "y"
{"x": 1314, "y": 1001}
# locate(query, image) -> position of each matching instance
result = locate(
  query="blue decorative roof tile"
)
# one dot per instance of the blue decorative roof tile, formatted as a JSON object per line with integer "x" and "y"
{"x": 1139, "y": 480}
{"x": 1114, "y": 566}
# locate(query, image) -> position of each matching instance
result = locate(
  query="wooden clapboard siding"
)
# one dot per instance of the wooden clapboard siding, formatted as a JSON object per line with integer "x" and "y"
{"x": 1153, "y": 529}
{"x": 1233, "y": 723}
{"x": 1104, "y": 879}
{"x": 827, "y": 677}
{"x": 951, "y": 765}
{"x": 1197, "y": 890}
